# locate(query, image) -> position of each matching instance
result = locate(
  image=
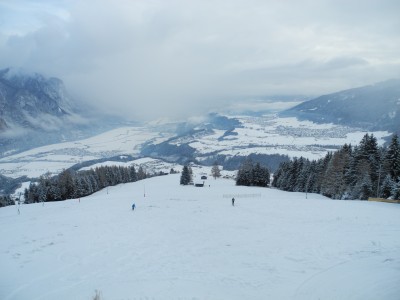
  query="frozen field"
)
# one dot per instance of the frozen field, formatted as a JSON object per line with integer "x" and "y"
{"x": 257, "y": 135}
{"x": 184, "y": 242}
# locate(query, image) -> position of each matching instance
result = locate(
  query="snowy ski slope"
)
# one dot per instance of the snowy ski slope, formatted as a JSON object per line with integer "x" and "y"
{"x": 184, "y": 242}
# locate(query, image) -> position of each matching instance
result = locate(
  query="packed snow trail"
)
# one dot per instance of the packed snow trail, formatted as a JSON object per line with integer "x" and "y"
{"x": 183, "y": 242}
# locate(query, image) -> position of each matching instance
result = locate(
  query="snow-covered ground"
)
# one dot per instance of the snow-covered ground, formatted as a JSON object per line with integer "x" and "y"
{"x": 270, "y": 134}
{"x": 260, "y": 135}
{"x": 150, "y": 165}
{"x": 54, "y": 158}
{"x": 184, "y": 242}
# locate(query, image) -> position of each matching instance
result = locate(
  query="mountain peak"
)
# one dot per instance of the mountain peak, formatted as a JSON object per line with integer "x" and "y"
{"x": 31, "y": 95}
{"x": 32, "y": 103}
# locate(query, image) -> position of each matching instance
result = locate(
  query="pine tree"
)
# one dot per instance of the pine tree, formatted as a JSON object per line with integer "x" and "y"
{"x": 391, "y": 162}
{"x": 310, "y": 172}
{"x": 301, "y": 177}
{"x": 94, "y": 182}
{"x": 185, "y": 176}
{"x": 281, "y": 176}
{"x": 54, "y": 192}
{"x": 256, "y": 174}
{"x": 334, "y": 180}
{"x": 321, "y": 168}
{"x": 387, "y": 187}
{"x": 190, "y": 174}
{"x": 33, "y": 195}
{"x": 395, "y": 194}
{"x": 363, "y": 189}
{"x": 368, "y": 154}
{"x": 43, "y": 187}
{"x": 260, "y": 176}
{"x": 141, "y": 174}
{"x": 266, "y": 176}
{"x": 66, "y": 184}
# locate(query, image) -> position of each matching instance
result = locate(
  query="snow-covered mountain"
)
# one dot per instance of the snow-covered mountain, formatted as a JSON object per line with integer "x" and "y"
{"x": 36, "y": 110}
{"x": 373, "y": 107}
{"x": 31, "y": 101}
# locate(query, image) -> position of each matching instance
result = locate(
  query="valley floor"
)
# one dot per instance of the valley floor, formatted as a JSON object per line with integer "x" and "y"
{"x": 183, "y": 242}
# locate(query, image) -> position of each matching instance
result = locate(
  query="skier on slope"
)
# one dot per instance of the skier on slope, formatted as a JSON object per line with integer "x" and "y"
{"x": 133, "y": 206}
{"x": 233, "y": 201}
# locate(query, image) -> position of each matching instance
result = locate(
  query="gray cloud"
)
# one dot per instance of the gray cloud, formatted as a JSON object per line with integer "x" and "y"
{"x": 158, "y": 58}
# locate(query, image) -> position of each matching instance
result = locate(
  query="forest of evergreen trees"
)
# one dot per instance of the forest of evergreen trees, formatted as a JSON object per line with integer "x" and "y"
{"x": 252, "y": 174}
{"x": 6, "y": 200}
{"x": 357, "y": 172}
{"x": 70, "y": 184}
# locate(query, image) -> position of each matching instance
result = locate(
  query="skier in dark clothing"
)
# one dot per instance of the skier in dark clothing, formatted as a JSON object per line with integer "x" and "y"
{"x": 133, "y": 206}
{"x": 233, "y": 201}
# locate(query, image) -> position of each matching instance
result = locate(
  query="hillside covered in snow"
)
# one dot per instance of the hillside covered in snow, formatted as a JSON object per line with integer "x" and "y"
{"x": 373, "y": 107}
{"x": 183, "y": 242}
{"x": 264, "y": 136}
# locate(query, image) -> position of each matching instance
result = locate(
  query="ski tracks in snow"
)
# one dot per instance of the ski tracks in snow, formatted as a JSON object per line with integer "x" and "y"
{"x": 366, "y": 276}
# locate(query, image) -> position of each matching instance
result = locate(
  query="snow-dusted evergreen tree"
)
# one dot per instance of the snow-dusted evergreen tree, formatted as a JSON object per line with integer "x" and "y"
{"x": 321, "y": 168}
{"x": 363, "y": 189}
{"x": 301, "y": 181}
{"x": 260, "y": 176}
{"x": 141, "y": 174}
{"x": 358, "y": 190}
{"x": 78, "y": 188}
{"x": 42, "y": 193}
{"x": 387, "y": 187}
{"x": 244, "y": 175}
{"x": 395, "y": 194}
{"x": 43, "y": 187}
{"x": 93, "y": 181}
{"x": 278, "y": 179}
{"x": 66, "y": 184}
{"x": 333, "y": 184}
{"x": 54, "y": 192}
{"x": 310, "y": 173}
{"x": 350, "y": 176}
{"x": 32, "y": 194}
{"x": 391, "y": 162}
{"x": 368, "y": 160}
{"x": 190, "y": 174}
{"x": 185, "y": 176}
{"x": 293, "y": 175}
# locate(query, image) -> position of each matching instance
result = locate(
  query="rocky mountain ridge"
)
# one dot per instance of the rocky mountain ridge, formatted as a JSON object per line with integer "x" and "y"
{"x": 36, "y": 110}
{"x": 31, "y": 101}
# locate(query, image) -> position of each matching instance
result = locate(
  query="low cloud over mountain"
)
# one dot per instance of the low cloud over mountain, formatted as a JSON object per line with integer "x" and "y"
{"x": 35, "y": 110}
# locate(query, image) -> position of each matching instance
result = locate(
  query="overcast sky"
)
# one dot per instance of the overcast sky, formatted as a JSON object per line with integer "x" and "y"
{"x": 172, "y": 56}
